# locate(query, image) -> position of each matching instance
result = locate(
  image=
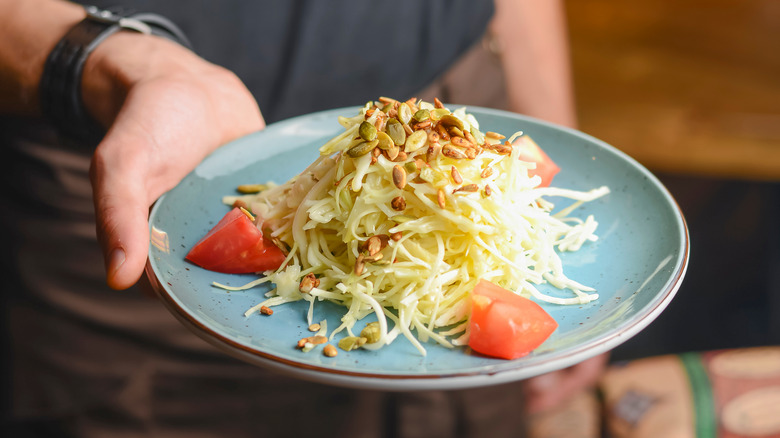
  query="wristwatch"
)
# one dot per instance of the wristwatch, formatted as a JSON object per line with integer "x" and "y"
{"x": 60, "y": 86}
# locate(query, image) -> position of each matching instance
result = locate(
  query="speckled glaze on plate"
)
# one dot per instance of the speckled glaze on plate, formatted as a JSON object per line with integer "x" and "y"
{"x": 636, "y": 266}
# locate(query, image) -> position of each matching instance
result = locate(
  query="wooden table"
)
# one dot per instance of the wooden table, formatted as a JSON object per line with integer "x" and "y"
{"x": 683, "y": 86}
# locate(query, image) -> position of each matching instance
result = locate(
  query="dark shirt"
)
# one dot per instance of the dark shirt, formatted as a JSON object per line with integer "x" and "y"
{"x": 301, "y": 56}
{"x": 94, "y": 362}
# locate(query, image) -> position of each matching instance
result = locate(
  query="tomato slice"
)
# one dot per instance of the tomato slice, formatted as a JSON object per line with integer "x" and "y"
{"x": 545, "y": 166}
{"x": 504, "y": 324}
{"x": 235, "y": 246}
{"x": 257, "y": 259}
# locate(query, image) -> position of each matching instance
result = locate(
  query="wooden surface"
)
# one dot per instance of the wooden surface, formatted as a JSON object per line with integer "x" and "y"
{"x": 683, "y": 86}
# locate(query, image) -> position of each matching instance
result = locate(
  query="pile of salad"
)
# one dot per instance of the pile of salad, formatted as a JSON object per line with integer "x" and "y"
{"x": 415, "y": 217}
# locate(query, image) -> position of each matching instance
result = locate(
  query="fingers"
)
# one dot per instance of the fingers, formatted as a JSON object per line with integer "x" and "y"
{"x": 121, "y": 208}
{"x": 549, "y": 390}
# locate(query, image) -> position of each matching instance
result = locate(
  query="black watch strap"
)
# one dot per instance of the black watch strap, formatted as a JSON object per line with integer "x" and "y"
{"x": 60, "y": 87}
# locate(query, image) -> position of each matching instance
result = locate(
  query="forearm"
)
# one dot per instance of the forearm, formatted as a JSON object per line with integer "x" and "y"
{"x": 29, "y": 30}
{"x": 532, "y": 37}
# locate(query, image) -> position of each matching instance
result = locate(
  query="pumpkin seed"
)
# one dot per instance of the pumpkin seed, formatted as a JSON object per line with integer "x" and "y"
{"x": 350, "y": 343}
{"x": 367, "y": 131}
{"x": 455, "y": 131}
{"x": 450, "y": 120}
{"x": 405, "y": 113}
{"x": 396, "y": 132}
{"x": 372, "y": 332}
{"x": 422, "y": 115}
{"x": 438, "y": 113}
{"x": 385, "y": 142}
{"x": 362, "y": 148}
{"x": 392, "y": 152}
{"x": 416, "y": 141}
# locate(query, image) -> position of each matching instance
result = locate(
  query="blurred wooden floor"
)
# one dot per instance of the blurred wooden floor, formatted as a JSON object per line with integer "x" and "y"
{"x": 683, "y": 86}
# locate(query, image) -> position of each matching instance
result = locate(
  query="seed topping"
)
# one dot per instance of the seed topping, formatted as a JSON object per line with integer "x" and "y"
{"x": 451, "y": 152}
{"x": 359, "y": 265}
{"x": 467, "y": 188}
{"x": 398, "y": 203}
{"x": 399, "y": 176}
{"x": 308, "y": 282}
{"x": 330, "y": 351}
{"x": 456, "y": 175}
{"x": 251, "y": 188}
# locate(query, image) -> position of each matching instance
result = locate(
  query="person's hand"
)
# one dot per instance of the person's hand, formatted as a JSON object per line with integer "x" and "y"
{"x": 166, "y": 109}
{"x": 550, "y": 390}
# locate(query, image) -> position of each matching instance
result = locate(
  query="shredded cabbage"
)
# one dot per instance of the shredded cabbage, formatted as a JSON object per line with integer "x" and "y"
{"x": 430, "y": 257}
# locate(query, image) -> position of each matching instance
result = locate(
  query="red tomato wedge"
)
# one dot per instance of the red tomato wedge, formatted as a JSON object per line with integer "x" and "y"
{"x": 235, "y": 246}
{"x": 506, "y": 325}
{"x": 545, "y": 167}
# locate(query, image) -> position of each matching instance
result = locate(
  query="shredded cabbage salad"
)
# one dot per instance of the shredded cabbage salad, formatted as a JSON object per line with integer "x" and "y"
{"x": 410, "y": 248}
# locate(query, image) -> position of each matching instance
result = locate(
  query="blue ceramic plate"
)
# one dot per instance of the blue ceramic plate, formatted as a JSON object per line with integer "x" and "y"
{"x": 636, "y": 266}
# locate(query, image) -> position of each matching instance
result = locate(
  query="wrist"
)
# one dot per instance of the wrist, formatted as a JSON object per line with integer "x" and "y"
{"x": 121, "y": 61}
{"x": 61, "y": 87}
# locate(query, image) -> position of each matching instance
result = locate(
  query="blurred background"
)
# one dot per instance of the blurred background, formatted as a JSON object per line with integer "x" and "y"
{"x": 691, "y": 89}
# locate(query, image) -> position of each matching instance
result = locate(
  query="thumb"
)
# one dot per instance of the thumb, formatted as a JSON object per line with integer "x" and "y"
{"x": 121, "y": 208}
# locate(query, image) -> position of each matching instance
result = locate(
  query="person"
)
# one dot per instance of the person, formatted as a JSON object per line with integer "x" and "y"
{"x": 86, "y": 361}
